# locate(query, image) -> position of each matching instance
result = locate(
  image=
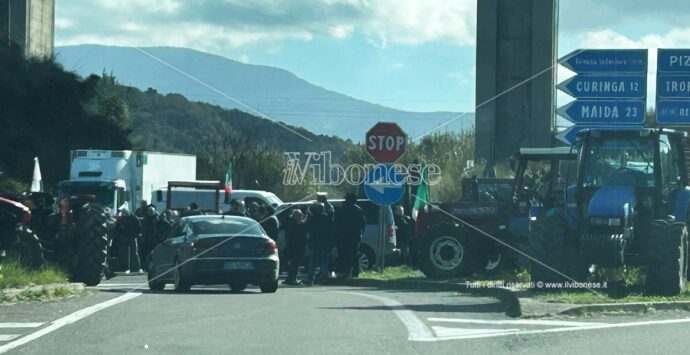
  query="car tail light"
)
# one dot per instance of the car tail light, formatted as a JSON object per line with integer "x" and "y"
{"x": 390, "y": 232}
{"x": 268, "y": 247}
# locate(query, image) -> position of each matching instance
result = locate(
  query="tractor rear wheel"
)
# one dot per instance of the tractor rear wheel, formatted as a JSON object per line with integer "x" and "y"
{"x": 27, "y": 249}
{"x": 547, "y": 249}
{"x": 448, "y": 250}
{"x": 667, "y": 256}
{"x": 91, "y": 242}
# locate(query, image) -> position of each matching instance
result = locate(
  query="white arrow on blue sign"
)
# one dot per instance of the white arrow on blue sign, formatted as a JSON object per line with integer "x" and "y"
{"x": 569, "y": 135}
{"x": 604, "y": 111}
{"x": 673, "y": 86}
{"x": 384, "y": 184}
{"x": 672, "y": 112}
{"x": 584, "y": 86}
{"x": 606, "y": 61}
{"x": 673, "y": 61}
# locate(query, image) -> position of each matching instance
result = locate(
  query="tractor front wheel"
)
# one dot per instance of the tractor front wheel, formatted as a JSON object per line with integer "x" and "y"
{"x": 547, "y": 249}
{"x": 667, "y": 258}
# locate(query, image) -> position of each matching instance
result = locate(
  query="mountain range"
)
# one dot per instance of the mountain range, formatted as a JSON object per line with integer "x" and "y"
{"x": 263, "y": 91}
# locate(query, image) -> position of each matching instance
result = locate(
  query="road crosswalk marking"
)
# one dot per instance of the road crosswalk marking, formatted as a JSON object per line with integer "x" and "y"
{"x": 558, "y": 323}
{"x": 446, "y": 332}
{"x": 20, "y": 325}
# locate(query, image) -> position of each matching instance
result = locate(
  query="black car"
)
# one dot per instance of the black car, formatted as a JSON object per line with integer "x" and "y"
{"x": 208, "y": 250}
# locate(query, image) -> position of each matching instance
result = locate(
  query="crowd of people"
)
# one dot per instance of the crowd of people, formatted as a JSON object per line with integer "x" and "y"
{"x": 312, "y": 235}
{"x": 134, "y": 235}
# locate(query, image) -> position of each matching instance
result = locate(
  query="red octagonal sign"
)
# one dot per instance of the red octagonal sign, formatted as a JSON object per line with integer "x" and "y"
{"x": 385, "y": 142}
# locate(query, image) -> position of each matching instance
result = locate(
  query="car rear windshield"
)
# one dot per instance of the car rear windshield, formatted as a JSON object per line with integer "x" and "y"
{"x": 230, "y": 226}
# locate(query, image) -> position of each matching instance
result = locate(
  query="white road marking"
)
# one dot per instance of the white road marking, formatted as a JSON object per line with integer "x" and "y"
{"x": 8, "y": 337}
{"x": 20, "y": 325}
{"x": 416, "y": 329}
{"x": 558, "y": 323}
{"x": 445, "y": 332}
{"x": 67, "y": 320}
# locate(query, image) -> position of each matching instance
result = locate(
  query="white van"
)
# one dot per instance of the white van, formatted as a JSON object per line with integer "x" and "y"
{"x": 206, "y": 199}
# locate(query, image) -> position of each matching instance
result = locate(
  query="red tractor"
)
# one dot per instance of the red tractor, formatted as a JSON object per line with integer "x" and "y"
{"x": 73, "y": 236}
{"x": 17, "y": 241}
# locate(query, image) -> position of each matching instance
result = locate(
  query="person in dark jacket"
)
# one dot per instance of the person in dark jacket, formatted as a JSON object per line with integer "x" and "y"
{"x": 320, "y": 243}
{"x": 127, "y": 230}
{"x": 296, "y": 239}
{"x": 236, "y": 209}
{"x": 349, "y": 225}
{"x": 141, "y": 211}
{"x": 149, "y": 234}
{"x": 193, "y": 210}
{"x": 405, "y": 230}
{"x": 269, "y": 222}
{"x": 165, "y": 222}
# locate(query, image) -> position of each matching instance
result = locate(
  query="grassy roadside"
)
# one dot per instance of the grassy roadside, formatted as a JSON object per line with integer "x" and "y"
{"x": 20, "y": 284}
{"x": 391, "y": 273}
{"x": 12, "y": 275}
{"x": 588, "y": 297}
{"x": 631, "y": 280}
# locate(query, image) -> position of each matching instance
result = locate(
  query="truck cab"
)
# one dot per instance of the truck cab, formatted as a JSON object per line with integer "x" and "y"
{"x": 120, "y": 179}
{"x": 111, "y": 194}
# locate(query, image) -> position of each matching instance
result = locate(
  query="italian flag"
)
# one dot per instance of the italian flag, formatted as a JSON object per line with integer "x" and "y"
{"x": 421, "y": 202}
{"x": 228, "y": 179}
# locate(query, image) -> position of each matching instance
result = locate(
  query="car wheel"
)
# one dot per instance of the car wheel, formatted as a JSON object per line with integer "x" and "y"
{"x": 237, "y": 286}
{"x": 154, "y": 282}
{"x": 269, "y": 287}
{"x": 181, "y": 284}
{"x": 155, "y": 285}
{"x": 366, "y": 258}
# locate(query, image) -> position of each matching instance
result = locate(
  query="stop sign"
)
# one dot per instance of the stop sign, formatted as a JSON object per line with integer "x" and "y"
{"x": 385, "y": 142}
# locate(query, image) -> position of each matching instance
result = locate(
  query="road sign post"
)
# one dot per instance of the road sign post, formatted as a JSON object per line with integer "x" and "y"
{"x": 386, "y": 142}
{"x": 610, "y": 89}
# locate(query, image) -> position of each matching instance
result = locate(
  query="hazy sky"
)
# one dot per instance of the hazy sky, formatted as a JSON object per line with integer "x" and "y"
{"x": 411, "y": 54}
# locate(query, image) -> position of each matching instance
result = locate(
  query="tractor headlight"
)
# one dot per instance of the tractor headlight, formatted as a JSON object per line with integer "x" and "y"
{"x": 606, "y": 221}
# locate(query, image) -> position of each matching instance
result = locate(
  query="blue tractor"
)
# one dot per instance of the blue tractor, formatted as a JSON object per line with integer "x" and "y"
{"x": 629, "y": 206}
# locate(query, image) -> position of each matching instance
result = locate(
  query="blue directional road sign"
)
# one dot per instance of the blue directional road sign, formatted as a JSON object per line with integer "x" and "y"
{"x": 384, "y": 184}
{"x": 601, "y": 112}
{"x": 569, "y": 135}
{"x": 586, "y": 86}
{"x": 673, "y": 86}
{"x": 673, "y": 112}
{"x": 673, "y": 61}
{"x": 606, "y": 61}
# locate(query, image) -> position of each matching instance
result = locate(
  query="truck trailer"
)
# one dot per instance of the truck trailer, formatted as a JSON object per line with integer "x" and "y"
{"x": 119, "y": 179}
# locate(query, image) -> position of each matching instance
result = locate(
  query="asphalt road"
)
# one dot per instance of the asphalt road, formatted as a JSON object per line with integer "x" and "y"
{"x": 118, "y": 318}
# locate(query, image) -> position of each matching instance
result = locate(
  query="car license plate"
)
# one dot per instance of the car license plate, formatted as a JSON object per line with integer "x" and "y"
{"x": 238, "y": 265}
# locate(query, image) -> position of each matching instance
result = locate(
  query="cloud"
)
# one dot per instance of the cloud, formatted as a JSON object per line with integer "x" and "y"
{"x": 228, "y": 25}
{"x": 596, "y": 15}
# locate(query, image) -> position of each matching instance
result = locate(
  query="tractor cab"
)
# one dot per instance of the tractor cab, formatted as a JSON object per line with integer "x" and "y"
{"x": 541, "y": 176}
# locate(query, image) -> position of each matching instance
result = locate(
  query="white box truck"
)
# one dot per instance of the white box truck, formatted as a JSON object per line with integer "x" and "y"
{"x": 119, "y": 179}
